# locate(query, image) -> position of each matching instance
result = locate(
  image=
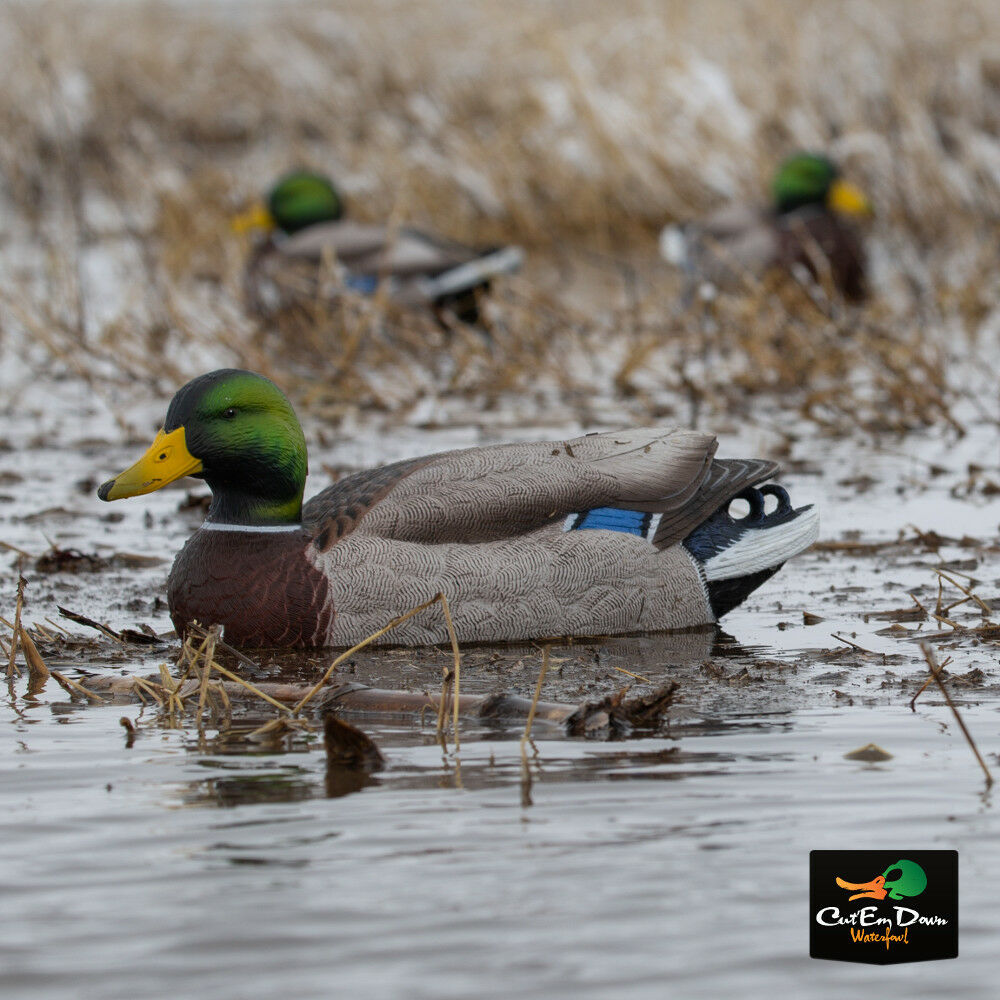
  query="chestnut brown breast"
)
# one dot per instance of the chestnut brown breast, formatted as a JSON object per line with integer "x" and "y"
{"x": 258, "y": 586}
{"x": 804, "y": 233}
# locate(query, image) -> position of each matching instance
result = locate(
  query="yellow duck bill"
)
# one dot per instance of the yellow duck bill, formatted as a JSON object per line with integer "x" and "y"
{"x": 167, "y": 460}
{"x": 847, "y": 199}
{"x": 257, "y": 217}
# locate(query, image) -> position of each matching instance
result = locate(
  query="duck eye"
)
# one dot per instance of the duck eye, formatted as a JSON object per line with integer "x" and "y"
{"x": 230, "y": 413}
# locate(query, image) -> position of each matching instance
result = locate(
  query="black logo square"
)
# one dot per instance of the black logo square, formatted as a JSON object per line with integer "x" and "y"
{"x": 883, "y": 907}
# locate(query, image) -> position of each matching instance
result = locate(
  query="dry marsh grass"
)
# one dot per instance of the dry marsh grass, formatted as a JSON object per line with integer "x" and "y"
{"x": 134, "y": 131}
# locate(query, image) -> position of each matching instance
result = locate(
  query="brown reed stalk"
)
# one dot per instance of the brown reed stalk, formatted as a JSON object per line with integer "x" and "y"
{"x": 207, "y": 652}
{"x": 38, "y": 672}
{"x": 936, "y": 674}
{"x": 72, "y": 687}
{"x": 16, "y": 627}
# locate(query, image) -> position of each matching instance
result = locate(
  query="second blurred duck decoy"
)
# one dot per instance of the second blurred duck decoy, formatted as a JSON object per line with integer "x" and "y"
{"x": 303, "y": 216}
{"x": 810, "y": 223}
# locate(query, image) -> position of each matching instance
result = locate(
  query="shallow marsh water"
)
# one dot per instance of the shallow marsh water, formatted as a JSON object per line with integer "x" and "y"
{"x": 662, "y": 867}
{"x": 670, "y": 865}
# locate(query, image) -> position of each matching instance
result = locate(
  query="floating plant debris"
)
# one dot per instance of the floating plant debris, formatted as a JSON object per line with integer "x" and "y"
{"x": 871, "y": 753}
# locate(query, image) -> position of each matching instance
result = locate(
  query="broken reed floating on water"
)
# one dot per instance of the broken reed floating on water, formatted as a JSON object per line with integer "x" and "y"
{"x": 616, "y": 712}
{"x": 614, "y": 715}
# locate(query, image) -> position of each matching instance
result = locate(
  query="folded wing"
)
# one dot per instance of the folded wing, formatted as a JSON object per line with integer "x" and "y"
{"x": 485, "y": 494}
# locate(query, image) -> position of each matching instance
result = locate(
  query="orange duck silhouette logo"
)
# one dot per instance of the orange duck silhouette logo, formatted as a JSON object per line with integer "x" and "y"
{"x": 902, "y": 880}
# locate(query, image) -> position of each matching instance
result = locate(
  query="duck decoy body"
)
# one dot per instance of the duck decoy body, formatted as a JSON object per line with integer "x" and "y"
{"x": 604, "y": 534}
{"x": 307, "y": 233}
{"x": 811, "y": 224}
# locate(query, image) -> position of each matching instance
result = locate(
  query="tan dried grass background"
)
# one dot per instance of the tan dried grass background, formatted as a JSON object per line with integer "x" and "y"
{"x": 132, "y": 133}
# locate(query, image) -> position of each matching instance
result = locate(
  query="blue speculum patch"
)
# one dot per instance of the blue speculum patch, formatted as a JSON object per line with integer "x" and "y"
{"x": 365, "y": 284}
{"x": 631, "y": 522}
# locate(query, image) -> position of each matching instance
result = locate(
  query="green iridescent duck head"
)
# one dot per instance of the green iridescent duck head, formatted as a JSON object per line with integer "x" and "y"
{"x": 813, "y": 179}
{"x": 302, "y": 199}
{"x": 237, "y": 431}
{"x": 298, "y": 200}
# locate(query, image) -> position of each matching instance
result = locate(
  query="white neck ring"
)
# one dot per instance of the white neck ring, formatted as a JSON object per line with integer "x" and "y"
{"x": 250, "y": 529}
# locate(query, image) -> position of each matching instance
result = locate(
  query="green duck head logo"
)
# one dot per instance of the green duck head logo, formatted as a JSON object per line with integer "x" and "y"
{"x": 902, "y": 880}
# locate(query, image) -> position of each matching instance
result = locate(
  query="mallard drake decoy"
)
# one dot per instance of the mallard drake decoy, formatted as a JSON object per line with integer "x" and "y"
{"x": 304, "y": 219}
{"x": 604, "y": 534}
{"x": 809, "y": 224}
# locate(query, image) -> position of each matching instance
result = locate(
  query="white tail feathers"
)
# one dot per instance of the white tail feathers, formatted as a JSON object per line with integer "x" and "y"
{"x": 758, "y": 549}
{"x": 458, "y": 279}
{"x": 673, "y": 246}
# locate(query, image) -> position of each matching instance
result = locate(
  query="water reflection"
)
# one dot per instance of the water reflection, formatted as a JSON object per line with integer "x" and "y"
{"x": 245, "y": 787}
{"x": 343, "y": 780}
{"x": 488, "y": 760}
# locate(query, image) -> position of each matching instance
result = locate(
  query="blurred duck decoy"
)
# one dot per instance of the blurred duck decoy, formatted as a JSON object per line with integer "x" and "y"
{"x": 610, "y": 533}
{"x": 303, "y": 217}
{"x": 810, "y": 224}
